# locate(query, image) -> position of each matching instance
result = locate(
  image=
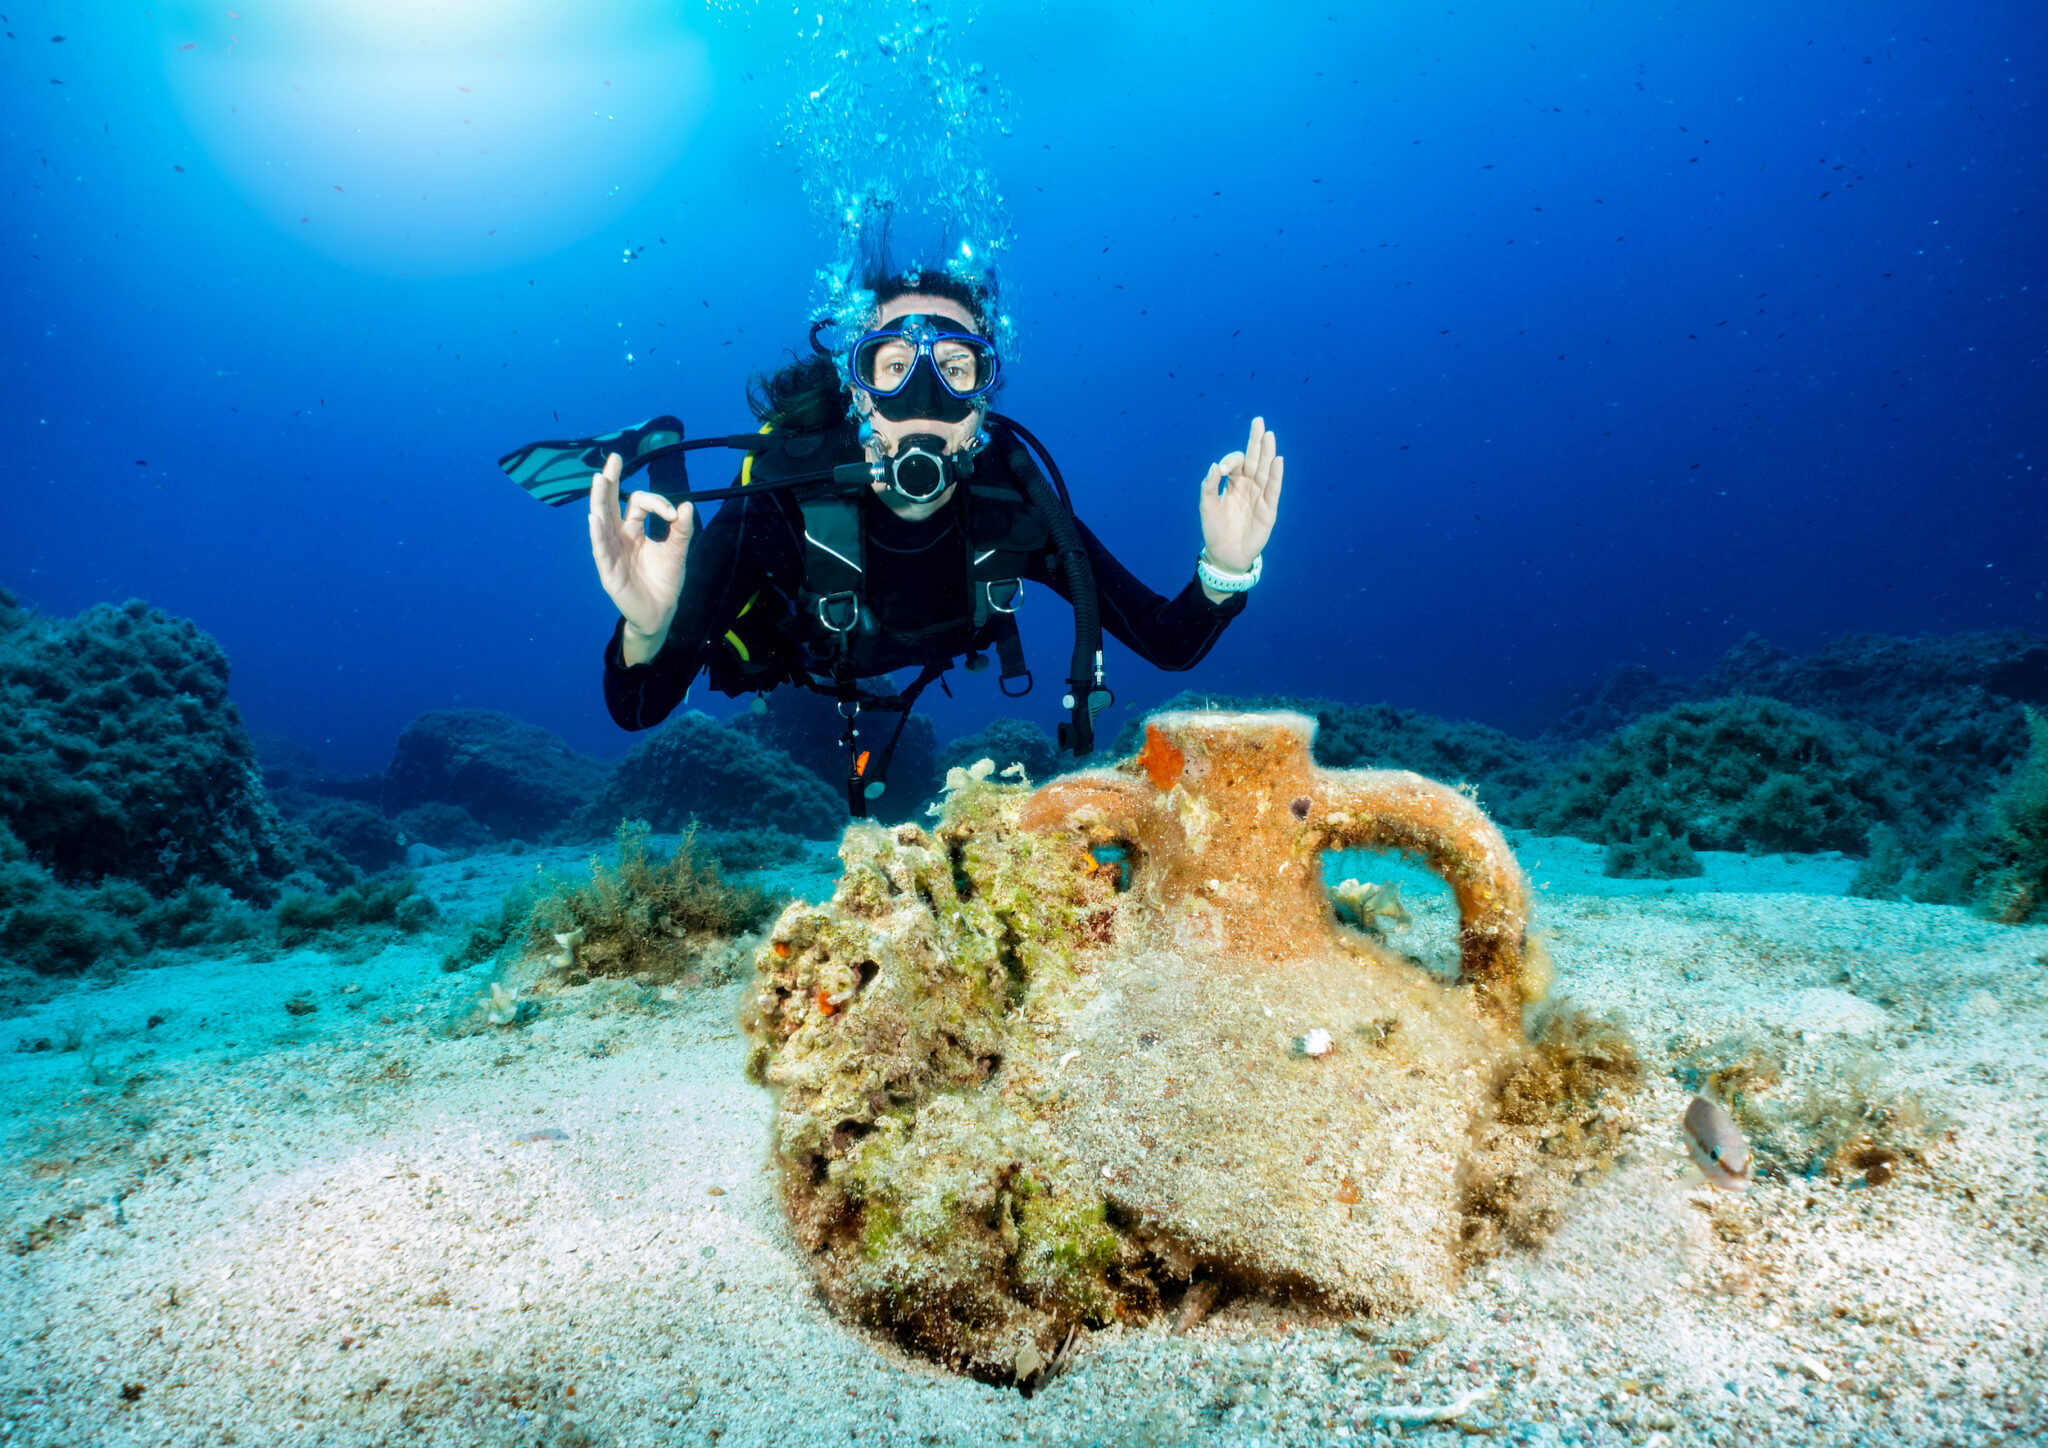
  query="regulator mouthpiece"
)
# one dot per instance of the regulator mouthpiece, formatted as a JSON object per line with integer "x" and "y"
{"x": 920, "y": 469}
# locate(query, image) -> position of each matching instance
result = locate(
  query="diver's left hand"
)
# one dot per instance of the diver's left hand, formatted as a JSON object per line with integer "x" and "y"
{"x": 1237, "y": 520}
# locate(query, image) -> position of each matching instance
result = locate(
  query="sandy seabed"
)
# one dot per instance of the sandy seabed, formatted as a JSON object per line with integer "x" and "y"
{"x": 370, "y": 1222}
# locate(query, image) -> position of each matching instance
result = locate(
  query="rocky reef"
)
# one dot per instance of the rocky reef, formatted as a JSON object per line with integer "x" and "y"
{"x": 695, "y": 768}
{"x": 1102, "y": 1050}
{"x": 121, "y": 756}
{"x": 1729, "y": 774}
{"x": 515, "y": 779}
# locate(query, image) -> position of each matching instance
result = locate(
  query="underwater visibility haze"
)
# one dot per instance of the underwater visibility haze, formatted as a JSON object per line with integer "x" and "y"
{"x": 1594, "y": 336}
{"x": 436, "y": 1012}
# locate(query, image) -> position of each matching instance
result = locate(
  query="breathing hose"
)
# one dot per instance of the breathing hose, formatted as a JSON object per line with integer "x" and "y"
{"x": 1087, "y": 695}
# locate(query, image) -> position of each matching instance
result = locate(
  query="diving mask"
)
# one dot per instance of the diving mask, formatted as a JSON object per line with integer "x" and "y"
{"x": 923, "y": 365}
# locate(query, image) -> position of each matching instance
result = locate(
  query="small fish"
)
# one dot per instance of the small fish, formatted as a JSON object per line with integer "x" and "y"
{"x": 1716, "y": 1145}
{"x": 546, "y": 1133}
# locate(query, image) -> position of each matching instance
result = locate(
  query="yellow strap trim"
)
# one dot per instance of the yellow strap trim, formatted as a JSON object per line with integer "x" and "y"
{"x": 746, "y": 479}
{"x": 745, "y": 608}
{"x": 747, "y": 466}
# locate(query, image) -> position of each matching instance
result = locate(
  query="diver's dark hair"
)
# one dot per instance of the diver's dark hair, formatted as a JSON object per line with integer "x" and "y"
{"x": 978, "y": 297}
{"x": 803, "y": 395}
{"x": 879, "y": 272}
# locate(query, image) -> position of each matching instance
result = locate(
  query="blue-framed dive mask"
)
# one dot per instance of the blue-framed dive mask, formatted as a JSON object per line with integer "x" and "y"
{"x": 923, "y": 365}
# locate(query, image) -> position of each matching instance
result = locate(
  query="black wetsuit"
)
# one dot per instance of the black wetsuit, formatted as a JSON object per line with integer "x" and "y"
{"x": 754, "y": 546}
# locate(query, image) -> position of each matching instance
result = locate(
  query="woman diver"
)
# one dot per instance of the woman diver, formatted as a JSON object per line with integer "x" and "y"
{"x": 916, "y": 562}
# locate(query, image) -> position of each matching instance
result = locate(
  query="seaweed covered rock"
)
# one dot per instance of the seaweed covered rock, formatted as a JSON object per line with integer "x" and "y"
{"x": 647, "y": 918}
{"x": 1953, "y": 700}
{"x": 1900, "y": 686}
{"x": 1081, "y": 1055}
{"x": 1732, "y": 774}
{"x": 447, "y": 827}
{"x": 695, "y": 768}
{"x": 2017, "y": 887}
{"x": 1618, "y": 700}
{"x": 121, "y": 756}
{"x": 391, "y": 900}
{"x": 1994, "y": 858}
{"x": 1654, "y": 856}
{"x": 51, "y": 929}
{"x": 806, "y": 726}
{"x": 517, "y": 779}
{"x": 354, "y": 831}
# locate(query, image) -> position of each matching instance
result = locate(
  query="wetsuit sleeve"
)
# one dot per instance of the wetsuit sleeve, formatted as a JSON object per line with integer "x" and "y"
{"x": 721, "y": 574}
{"x": 1168, "y": 633}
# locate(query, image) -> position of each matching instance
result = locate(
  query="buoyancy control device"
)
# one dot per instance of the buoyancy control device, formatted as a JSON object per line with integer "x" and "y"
{"x": 1007, "y": 515}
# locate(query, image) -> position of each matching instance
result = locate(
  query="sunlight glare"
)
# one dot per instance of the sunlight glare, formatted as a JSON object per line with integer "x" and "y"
{"x": 435, "y": 140}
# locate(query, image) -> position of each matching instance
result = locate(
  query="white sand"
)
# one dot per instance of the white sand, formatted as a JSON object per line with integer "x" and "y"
{"x": 320, "y": 1228}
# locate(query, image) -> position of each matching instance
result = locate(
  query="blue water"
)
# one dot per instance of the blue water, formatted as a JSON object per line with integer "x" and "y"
{"x": 1592, "y": 334}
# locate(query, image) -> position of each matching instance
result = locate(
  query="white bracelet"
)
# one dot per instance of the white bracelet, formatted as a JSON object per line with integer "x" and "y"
{"x": 1216, "y": 578}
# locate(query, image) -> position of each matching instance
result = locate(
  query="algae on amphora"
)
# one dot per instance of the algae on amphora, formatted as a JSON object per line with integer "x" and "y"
{"x": 1037, "y": 1065}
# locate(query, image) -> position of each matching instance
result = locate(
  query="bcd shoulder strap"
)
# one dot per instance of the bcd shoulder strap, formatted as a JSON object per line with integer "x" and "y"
{"x": 1004, "y": 531}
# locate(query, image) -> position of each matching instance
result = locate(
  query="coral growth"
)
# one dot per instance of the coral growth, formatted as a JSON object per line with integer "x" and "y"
{"x": 1084, "y": 1055}
{"x": 1560, "y": 1113}
{"x": 1005, "y": 741}
{"x": 694, "y": 768}
{"x": 120, "y": 755}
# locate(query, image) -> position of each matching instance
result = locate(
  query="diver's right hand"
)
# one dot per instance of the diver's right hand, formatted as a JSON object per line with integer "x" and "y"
{"x": 643, "y": 577}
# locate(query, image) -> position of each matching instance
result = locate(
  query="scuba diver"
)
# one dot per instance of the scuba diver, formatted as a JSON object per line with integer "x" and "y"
{"x": 884, "y": 518}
